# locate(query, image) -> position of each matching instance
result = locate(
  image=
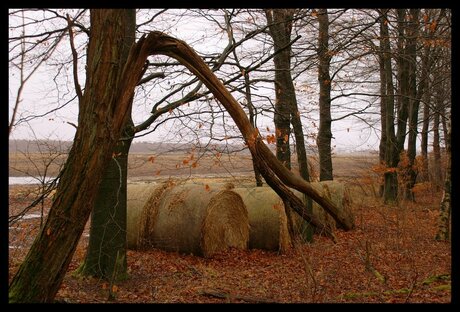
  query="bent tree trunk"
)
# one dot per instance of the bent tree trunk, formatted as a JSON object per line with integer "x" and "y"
{"x": 102, "y": 114}
{"x": 273, "y": 171}
{"x": 106, "y": 253}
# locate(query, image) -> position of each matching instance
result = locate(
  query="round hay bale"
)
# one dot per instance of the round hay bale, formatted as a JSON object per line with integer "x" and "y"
{"x": 223, "y": 226}
{"x": 149, "y": 215}
{"x": 137, "y": 196}
{"x": 196, "y": 220}
{"x": 337, "y": 192}
{"x": 267, "y": 219}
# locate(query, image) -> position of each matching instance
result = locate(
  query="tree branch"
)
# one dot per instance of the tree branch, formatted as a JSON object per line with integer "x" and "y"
{"x": 75, "y": 61}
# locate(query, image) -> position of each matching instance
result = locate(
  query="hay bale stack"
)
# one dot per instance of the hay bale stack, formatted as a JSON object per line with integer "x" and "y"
{"x": 192, "y": 219}
{"x": 267, "y": 219}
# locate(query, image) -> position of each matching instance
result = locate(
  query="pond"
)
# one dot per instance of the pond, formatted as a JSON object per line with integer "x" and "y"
{"x": 27, "y": 180}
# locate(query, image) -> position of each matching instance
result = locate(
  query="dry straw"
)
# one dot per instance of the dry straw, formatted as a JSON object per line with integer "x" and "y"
{"x": 203, "y": 219}
{"x": 267, "y": 219}
{"x": 137, "y": 196}
{"x": 338, "y": 193}
{"x": 191, "y": 219}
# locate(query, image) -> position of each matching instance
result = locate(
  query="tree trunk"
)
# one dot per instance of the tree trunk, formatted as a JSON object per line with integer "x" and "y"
{"x": 403, "y": 83}
{"x": 106, "y": 253}
{"x": 414, "y": 98}
{"x": 383, "y": 111}
{"x": 324, "y": 78}
{"x": 444, "y": 227}
{"x": 424, "y": 144}
{"x": 437, "y": 176}
{"x": 306, "y": 229}
{"x": 252, "y": 120}
{"x": 103, "y": 110}
{"x": 280, "y": 25}
{"x": 391, "y": 155}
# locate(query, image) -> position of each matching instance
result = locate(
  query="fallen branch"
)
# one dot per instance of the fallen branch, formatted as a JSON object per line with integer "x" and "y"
{"x": 228, "y": 296}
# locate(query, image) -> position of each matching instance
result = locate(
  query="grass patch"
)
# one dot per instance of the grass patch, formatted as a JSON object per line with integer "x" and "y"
{"x": 436, "y": 278}
{"x": 445, "y": 287}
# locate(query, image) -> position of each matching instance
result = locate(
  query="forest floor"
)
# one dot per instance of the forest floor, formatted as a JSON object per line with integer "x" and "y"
{"x": 391, "y": 256}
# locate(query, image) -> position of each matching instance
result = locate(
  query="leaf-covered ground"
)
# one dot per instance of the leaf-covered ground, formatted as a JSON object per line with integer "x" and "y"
{"x": 391, "y": 256}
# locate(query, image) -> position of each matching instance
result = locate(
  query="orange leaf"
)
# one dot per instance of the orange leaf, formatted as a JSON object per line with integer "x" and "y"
{"x": 48, "y": 232}
{"x": 152, "y": 159}
{"x": 268, "y": 129}
{"x": 433, "y": 26}
{"x": 114, "y": 288}
{"x": 286, "y": 138}
{"x": 271, "y": 139}
{"x": 425, "y": 18}
{"x": 185, "y": 161}
{"x": 104, "y": 285}
{"x": 158, "y": 172}
{"x": 195, "y": 164}
{"x": 207, "y": 188}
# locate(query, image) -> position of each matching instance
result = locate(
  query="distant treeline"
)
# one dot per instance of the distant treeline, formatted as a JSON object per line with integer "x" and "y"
{"x": 43, "y": 146}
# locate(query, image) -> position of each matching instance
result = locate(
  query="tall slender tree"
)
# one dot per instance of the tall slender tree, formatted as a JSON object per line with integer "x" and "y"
{"x": 324, "y": 78}
{"x": 414, "y": 94}
{"x": 391, "y": 156}
{"x": 280, "y": 26}
{"x": 286, "y": 108}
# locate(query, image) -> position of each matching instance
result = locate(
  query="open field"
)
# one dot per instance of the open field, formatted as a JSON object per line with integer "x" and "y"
{"x": 149, "y": 166}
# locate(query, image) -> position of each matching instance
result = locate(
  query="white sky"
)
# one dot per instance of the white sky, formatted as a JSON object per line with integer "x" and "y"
{"x": 43, "y": 93}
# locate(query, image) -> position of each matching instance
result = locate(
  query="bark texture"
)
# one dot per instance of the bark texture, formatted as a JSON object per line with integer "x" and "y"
{"x": 106, "y": 253}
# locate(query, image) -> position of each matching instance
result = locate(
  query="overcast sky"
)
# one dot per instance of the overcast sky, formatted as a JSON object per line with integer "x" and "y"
{"x": 43, "y": 92}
